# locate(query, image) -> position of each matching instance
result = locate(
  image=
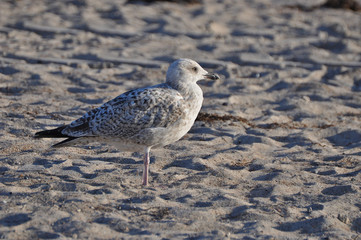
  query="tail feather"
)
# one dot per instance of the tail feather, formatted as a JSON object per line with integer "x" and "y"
{"x": 53, "y": 133}
{"x": 56, "y": 133}
{"x": 65, "y": 142}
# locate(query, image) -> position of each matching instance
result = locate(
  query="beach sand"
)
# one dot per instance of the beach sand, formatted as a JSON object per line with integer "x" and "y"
{"x": 274, "y": 154}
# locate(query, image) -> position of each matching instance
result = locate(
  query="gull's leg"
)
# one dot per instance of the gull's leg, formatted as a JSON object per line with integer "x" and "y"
{"x": 146, "y": 166}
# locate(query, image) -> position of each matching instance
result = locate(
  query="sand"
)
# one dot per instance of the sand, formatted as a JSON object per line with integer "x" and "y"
{"x": 274, "y": 154}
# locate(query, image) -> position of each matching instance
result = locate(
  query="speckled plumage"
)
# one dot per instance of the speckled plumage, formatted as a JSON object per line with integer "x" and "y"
{"x": 127, "y": 116}
{"x": 144, "y": 118}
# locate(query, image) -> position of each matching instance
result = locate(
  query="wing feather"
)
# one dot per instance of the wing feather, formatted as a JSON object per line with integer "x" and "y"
{"x": 131, "y": 112}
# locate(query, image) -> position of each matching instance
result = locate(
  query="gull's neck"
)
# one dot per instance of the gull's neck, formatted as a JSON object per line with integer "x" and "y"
{"x": 188, "y": 90}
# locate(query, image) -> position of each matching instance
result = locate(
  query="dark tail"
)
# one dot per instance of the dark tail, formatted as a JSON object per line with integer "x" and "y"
{"x": 65, "y": 142}
{"x": 55, "y": 133}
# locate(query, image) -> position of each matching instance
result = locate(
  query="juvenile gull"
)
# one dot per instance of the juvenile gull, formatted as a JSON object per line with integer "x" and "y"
{"x": 144, "y": 118}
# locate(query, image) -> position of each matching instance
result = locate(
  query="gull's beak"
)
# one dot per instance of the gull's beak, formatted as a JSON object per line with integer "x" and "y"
{"x": 211, "y": 76}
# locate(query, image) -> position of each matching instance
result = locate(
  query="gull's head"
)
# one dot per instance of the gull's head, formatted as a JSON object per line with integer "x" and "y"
{"x": 184, "y": 71}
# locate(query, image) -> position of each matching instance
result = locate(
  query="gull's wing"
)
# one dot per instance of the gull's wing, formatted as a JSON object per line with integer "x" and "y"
{"x": 131, "y": 112}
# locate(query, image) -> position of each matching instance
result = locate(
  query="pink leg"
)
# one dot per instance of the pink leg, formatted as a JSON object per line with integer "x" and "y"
{"x": 146, "y": 166}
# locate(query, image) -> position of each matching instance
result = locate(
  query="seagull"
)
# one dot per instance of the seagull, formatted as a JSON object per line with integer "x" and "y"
{"x": 144, "y": 118}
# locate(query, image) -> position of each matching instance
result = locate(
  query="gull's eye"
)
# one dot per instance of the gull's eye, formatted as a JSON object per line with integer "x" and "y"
{"x": 194, "y": 69}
